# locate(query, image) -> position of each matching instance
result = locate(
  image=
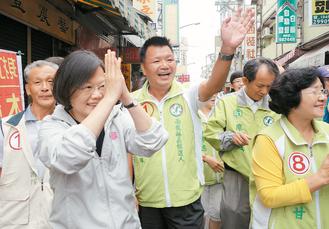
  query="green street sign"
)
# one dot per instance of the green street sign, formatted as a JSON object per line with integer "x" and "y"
{"x": 286, "y": 21}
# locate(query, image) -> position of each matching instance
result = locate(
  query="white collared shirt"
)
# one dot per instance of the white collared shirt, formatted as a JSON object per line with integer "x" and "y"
{"x": 254, "y": 105}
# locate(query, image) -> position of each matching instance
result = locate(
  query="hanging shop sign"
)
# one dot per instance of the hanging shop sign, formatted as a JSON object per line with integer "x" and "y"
{"x": 126, "y": 72}
{"x": 42, "y": 15}
{"x": 250, "y": 42}
{"x": 286, "y": 21}
{"x": 319, "y": 12}
{"x": 148, "y": 7}
{"x": 11, "y": 83}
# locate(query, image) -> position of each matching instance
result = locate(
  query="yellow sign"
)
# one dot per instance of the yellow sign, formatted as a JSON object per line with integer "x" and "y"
{"x": 41, "y": 14}
{"x": 319, "y": 12}
{"x": 147, "y": 7}
{"x": 126, "y": 71}
{"x": 97, "y": 3}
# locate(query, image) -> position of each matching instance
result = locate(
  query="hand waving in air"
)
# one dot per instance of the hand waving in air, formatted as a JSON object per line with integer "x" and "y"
{"x": 235, "y": 28}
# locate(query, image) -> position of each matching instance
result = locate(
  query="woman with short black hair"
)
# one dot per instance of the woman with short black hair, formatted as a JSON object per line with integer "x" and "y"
{"x": 86, "y": 140}
{"x": 290, "y": 159}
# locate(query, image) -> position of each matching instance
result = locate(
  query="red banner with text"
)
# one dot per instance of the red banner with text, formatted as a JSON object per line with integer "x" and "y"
{"x": 11, "y": 83}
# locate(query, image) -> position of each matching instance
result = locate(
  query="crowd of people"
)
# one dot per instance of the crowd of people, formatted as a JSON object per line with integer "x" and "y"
{"x": 87, "y": 154}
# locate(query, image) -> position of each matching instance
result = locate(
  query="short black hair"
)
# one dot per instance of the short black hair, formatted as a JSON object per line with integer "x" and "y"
{"x": 236, "y": 75}
{"x": 285, "y": 91}
{"x": 153, "y": 41}
{"x": 250, "y": 69}
{"x": 76, "y": 69}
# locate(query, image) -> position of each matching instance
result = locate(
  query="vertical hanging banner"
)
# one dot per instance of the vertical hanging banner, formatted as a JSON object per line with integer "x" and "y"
{"x": 171, "y": 21}
{"x": 250, "y": 42}
{"x": 126, "y": 72}
{"x": 286, "y": 21}
{"x": 11, "y": 83}
{"x": 319, "y": 12}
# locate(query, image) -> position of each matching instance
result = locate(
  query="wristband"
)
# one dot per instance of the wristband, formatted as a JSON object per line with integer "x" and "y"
{"x": 225, "y": 57}
{"x": 130, "y": 105}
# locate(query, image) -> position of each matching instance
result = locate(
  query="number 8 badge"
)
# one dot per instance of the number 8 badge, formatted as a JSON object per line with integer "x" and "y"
{"x": 298, "y": 163}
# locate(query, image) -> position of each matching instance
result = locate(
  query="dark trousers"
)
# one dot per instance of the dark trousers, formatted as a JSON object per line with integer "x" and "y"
{"x": 186, "y": 217}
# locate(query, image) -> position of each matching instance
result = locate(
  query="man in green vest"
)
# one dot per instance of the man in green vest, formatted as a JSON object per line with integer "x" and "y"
{"x": 237, "y": 118}
{"x": 169, "y": 184}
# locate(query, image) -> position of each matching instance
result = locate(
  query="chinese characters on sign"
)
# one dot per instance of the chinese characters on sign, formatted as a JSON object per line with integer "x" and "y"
{"x": 319, "y": 12}
{"x": 250, "y": 41}
{"x": 42, "y": 15}
{"x": 147, "y": 7}
{"x": 130, "y": 13}
{"x": 18, "y": 5}
{"x": 286, "y": 21}
{"x": 11, "y": 84}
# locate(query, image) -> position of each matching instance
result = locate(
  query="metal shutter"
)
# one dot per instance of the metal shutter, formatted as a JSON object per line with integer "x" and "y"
{"x": 13, "y": 36}
{"x": 41, "y": 44}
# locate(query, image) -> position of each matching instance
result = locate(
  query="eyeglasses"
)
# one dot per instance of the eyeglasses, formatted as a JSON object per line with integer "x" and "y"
{"x": 89, "y": 89}
{"x": 323, "y": 92}
{"x": 237, "y": 81}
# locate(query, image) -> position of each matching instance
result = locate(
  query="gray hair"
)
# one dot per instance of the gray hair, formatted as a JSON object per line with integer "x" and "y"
{"x": 37, "y": 64}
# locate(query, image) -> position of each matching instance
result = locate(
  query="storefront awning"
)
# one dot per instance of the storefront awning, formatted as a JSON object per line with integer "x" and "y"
{"x": 122, "y": 15}
{"x": 135, "y": 40}
{"x": 289, "y": 56}
{"x": 315, "y": 57}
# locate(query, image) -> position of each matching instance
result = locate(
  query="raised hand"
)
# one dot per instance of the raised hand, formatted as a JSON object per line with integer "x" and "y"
{"x": 321, "y": 177}
{"x": 125, "y": 96}
{"x": 235, "y": 28}
{"x": 113, "y": 77}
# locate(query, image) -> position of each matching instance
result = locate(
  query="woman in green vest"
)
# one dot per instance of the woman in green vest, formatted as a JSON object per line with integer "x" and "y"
{"x": 290, "y": 159}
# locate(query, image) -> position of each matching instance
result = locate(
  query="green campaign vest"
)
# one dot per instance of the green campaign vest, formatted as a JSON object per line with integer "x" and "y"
{"x": 169, "y": 177}
{"x": 229, "y": 115}
{"x": 210, "y": 176}
{"x": 300, "y": 160}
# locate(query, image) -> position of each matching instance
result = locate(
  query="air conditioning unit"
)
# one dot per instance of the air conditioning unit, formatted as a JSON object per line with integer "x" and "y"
{"x": 267, "y": 33}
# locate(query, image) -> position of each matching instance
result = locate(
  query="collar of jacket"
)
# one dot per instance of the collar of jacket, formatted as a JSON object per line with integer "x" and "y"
{"x": 62, "y": 115}
{"x": 175, "y": 89}
{"x": 320, "y": 135}
{"x": 15, "y": 119}
{"x": 243, "y": 100}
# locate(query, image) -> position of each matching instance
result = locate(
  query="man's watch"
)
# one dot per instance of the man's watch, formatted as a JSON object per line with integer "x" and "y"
{"x": 225, "y": 57}
{"x": 130, "y": 105}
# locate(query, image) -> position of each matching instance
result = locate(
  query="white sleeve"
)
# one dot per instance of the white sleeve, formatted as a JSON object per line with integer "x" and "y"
{"x": 63, "y": 148}
{"x": 147, "y": 142}
{"x": 191, "y": 94}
